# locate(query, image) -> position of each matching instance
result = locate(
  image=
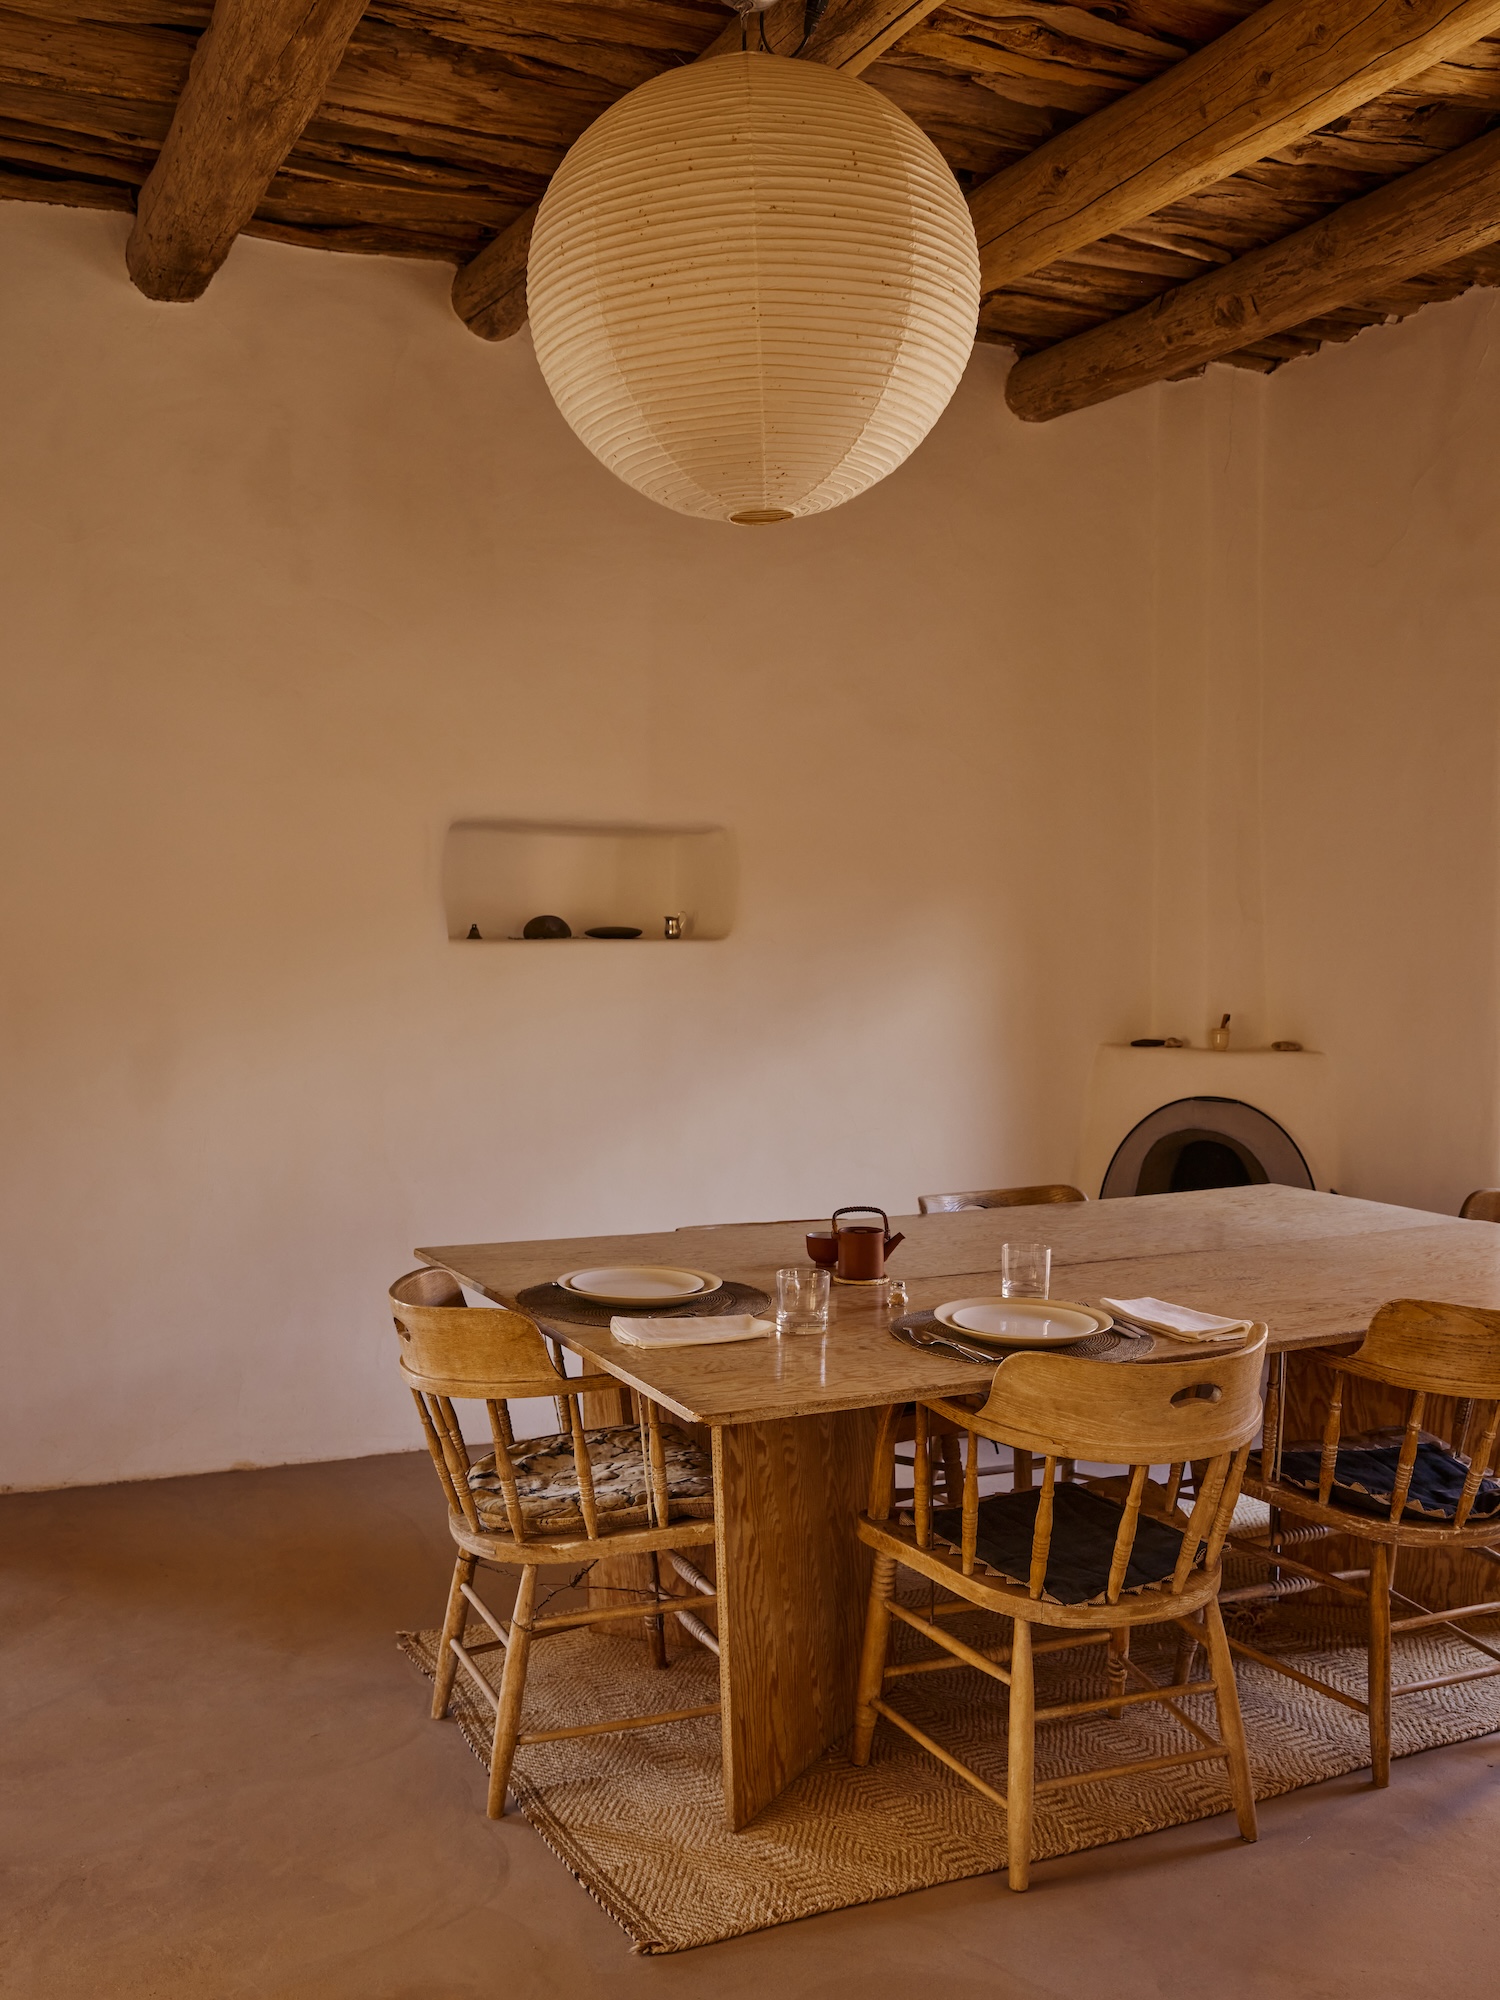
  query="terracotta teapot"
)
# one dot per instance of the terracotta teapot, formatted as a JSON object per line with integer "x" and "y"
{"x": 858, "y": 1249}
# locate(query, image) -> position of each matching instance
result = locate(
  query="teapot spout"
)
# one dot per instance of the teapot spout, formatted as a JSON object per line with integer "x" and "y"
{"x": 892, "y": 1241}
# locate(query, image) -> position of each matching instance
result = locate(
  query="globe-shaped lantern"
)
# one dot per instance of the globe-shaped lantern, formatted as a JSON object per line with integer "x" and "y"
{"x": 753, "y": 286}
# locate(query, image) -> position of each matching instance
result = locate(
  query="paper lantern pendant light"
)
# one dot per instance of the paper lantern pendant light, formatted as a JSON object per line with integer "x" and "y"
{"x": 753, "y": 286}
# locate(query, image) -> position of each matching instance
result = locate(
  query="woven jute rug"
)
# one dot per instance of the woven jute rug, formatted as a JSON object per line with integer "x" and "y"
{"x": 639, "y": 1817}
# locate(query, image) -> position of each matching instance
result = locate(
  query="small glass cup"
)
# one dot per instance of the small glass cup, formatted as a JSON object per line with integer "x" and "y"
{"x": 801, "y": 1300}
{"x": 1025, "y": 1270}
{"x": 892, "y": 1297}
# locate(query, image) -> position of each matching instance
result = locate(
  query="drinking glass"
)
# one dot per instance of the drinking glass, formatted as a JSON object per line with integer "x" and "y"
{"x": 801, "y": 1299}
{"x": 1025, "y": 1270}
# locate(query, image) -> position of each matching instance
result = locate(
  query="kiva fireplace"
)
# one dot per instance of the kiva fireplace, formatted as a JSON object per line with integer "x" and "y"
{"x": 1168, "y": 1121}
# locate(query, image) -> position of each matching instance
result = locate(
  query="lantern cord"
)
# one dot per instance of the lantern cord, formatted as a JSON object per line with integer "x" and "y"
{"x": 812, "y": 13}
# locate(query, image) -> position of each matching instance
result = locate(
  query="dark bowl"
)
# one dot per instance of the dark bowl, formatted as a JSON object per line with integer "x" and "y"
{"x": 612, "y": 930}
{"x": 547, "y": 927}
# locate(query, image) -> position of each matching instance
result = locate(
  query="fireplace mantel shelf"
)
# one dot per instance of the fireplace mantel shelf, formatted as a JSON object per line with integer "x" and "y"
{"x": 1264, "y": 1049}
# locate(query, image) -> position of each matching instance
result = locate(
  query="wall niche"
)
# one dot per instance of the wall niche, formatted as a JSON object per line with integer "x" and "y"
{"x": 498, "y": 874}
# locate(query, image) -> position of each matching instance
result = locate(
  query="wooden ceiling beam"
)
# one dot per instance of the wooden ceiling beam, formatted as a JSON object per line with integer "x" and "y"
{"x": 489, "y": 292}
{"x": 1282, "y": 72}
{"x": 1447, "y": 209}
{"x": 260, "y": 71}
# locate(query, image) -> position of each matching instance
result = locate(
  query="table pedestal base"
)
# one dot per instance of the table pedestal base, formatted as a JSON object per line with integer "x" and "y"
{"x": 792, "y": 1581}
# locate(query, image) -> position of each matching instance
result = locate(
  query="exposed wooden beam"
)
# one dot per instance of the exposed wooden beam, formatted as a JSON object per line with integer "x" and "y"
{"x": 260, "y": 71}
{"x": 1447, "y": 209}
{"x": 1282, "y": 72}
{"x": 851, "y": 34}
{"x": 489, "y": 292}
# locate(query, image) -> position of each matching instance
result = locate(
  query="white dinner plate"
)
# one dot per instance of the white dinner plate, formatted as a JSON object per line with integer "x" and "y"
{"x": 638, "y": 1284}
{"x": 1023, "y": 1322}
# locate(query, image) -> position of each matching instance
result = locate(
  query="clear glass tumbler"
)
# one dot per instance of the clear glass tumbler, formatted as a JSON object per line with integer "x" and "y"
{"x": 801, "y": 1299}
{"x": 1025, "y": 1270}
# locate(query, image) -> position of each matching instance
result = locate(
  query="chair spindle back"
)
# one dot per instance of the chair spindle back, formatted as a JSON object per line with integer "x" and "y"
{"x": 454, "y": 1352}
{"x": 1431, "y": 1351}
{"x": 1205, "y": 1412}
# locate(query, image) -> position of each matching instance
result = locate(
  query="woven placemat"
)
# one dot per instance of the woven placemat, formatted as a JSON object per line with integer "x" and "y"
{"x": 554, "y": 1302}
{"x": 1093, "y": 1347}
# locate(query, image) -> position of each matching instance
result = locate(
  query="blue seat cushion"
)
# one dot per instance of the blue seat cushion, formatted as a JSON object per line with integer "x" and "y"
{"x": 1084, "y": 1527}
{"x": 1364, "y": 1477}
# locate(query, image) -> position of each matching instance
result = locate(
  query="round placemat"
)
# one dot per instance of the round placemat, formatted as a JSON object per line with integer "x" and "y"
{"x": 1106, "y": 1346}
{"x": 556, "y": 1302}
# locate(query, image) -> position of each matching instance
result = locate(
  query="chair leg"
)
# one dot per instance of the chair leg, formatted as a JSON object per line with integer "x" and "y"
{"x": 1231, "y": 1722}
{"x": 1380, "y": 1663}
{"x": 1020, "y": 1759}
{"x": 512, "y": 1688}
{"x": 953, "y": 1471}
{"x": 1119, "y": 1653}
{"x": 872, "y": 1659}
{"x": 1187, "y": 1652}
{"x": 454, "y": 1621}
{"x": 656, "y": 1632}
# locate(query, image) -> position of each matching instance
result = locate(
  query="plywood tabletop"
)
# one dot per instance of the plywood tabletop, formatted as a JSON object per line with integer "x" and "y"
{"x": 1314, "y": 1267}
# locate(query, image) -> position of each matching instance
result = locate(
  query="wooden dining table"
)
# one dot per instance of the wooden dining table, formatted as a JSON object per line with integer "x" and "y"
{"x": 793, "y": 1420}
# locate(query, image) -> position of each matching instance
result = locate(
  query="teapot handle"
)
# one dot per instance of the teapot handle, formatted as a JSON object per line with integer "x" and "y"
{"x": 861, "y": 1208}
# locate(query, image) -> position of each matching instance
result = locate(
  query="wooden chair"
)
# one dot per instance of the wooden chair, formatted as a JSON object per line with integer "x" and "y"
{"x": 1017, "y": 1197}
{"x": 770, "y": 1222}
{"x": 532, "y": 1502}
{"x": 1422, "y": 1485}
{"x": 1483, "y": 1205}
{"x": 1093, "y": 1558}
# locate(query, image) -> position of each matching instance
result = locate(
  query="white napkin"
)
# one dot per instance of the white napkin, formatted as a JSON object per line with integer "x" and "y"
{"x": 1180, "y": 1322}
{"x": 690, "y": 1331}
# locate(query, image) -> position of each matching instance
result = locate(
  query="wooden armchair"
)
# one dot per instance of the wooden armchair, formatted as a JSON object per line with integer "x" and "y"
{"x": 1483, "y": 1205}
{"x": 1016, "y": 1197}
{"x": 1091, "y": 1558}
{"x": 1425, "y": 1484}
{"x": 530, "y": 1502}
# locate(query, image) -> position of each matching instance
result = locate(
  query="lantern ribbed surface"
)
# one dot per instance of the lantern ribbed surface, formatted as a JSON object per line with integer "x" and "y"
{"x": 753, "y": 287}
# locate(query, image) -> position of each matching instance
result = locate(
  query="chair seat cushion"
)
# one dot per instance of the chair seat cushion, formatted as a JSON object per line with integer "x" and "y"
{"x": 1364, "y": 1477}
{"x": 547, "y": 1481}
{"x": 1084, "y": 1527}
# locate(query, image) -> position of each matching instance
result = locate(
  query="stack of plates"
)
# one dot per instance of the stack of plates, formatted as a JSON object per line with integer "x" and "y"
{"x": 639, "y": 1284}
{"x": 1022, "y": 1322}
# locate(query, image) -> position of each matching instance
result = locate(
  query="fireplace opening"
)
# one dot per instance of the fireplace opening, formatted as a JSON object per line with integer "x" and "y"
{"x": 1189, "y": 1160}
{"x": 1204, "y": 1142}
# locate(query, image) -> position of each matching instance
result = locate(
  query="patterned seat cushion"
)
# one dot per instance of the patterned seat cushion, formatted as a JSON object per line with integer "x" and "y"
{"x": 1364, "y": 1477}
{"x": 547, "y": 1481}
{"x": 1084, "y": 1526}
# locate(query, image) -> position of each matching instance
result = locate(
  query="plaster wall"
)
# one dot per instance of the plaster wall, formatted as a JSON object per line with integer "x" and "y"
{"x": 295, "y": 576}
{"x": 1326, "y": 734}
{"x": 1180, "y": 706}
{"x": 1380, "y": 693}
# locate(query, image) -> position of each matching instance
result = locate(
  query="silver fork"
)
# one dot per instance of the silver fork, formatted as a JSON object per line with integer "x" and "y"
{"x": 925, "y": 1337}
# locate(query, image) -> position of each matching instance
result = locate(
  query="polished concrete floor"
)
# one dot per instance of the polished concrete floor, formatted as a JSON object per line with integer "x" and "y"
{"x": 220, "y": 1781}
